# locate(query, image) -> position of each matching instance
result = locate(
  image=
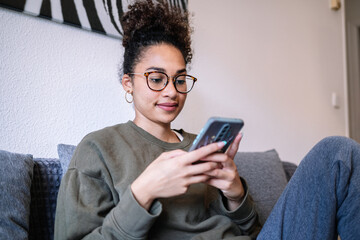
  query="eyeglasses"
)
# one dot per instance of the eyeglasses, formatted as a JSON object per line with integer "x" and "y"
{"x": 157, "y": 81}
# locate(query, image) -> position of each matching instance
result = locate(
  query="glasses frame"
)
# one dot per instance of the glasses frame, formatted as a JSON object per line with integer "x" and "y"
{"x": 146, "y": 74}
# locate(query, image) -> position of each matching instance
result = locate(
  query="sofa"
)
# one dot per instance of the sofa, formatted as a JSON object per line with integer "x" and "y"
{"x": 29, "y": 188}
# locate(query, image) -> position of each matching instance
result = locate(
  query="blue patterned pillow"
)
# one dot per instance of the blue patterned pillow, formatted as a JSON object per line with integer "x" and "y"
{"x": 16, "y": 173}
{"x": 65, "y": 153}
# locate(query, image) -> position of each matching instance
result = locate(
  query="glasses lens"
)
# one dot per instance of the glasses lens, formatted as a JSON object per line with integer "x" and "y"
{"x": 184, "y": 83}
{"x": 157, "y": 80}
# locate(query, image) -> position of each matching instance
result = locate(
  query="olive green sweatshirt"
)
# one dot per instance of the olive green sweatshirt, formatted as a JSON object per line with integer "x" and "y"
{"x": 95, "y": 200}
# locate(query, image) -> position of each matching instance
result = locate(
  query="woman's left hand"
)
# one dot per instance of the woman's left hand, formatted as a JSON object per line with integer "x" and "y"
{"x": 226, "y": 177}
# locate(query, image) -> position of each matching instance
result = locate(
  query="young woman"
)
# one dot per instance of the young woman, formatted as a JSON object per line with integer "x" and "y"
{"x": 137, "y": 180}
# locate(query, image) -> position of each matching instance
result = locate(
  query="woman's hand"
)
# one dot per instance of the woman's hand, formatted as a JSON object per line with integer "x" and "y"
{"x": 172, "y": 173}
{"x": 226, "y": 177}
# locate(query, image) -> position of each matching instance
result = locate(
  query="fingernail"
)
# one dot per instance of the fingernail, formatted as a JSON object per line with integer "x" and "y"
{"x": 222, "y": 143}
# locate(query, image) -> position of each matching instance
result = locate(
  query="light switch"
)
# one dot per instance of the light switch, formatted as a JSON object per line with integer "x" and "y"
{"x": 335, "y": 100}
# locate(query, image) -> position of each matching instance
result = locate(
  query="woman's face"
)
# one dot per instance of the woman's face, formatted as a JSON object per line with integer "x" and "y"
{"x": 152, "y": 106}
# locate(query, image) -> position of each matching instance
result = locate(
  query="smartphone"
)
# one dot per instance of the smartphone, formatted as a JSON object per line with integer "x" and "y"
{"x": 218, "y": 129}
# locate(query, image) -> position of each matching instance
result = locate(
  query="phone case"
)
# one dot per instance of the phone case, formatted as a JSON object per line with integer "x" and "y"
{"x": 218, "y": 129}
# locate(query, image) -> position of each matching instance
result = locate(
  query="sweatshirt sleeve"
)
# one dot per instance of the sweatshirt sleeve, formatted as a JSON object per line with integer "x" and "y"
{"x": 245, "y": 216}
{"x": 86, "y": 208}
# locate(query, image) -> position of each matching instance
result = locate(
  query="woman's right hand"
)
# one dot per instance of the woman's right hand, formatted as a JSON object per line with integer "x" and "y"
{"x": 172, "y": 173}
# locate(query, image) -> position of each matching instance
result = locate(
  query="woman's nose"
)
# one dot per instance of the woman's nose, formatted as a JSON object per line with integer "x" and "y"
{"x": 170, "y": 89}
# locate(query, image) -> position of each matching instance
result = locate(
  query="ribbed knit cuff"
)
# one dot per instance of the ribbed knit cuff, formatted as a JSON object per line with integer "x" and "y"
{"x": 244, "y": 211}
{"x": 132, "y": 219}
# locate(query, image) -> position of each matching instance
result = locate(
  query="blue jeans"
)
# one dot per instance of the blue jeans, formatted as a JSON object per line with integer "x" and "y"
{"x": 322, "y": 198}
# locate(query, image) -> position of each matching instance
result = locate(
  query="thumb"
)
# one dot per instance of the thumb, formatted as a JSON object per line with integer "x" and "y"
{"x": 232, "y": 150}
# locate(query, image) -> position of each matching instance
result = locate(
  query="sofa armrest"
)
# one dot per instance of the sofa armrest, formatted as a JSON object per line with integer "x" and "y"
{"x": 289, "y": 169}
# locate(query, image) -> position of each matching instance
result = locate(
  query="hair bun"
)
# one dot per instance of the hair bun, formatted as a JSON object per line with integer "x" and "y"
{"x": 148, "y": 23}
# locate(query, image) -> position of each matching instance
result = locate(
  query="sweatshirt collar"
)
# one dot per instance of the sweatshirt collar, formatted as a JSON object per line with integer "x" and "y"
{"x": 170, "y": 146}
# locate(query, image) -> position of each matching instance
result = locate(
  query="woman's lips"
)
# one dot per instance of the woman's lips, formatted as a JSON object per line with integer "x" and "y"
{"x": 168, "y": 106}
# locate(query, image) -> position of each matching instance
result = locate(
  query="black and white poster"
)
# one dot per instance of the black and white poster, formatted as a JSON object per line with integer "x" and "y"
{"x": 102, "y": 16}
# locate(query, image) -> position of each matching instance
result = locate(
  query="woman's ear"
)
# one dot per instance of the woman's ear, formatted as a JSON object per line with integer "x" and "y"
{"x": 127, "y": 83}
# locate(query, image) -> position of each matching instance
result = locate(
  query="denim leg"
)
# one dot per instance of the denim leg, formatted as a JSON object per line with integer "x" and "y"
{"x": 322, "y": 198}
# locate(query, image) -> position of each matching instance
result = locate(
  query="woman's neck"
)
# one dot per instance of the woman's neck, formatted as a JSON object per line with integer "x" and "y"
{"x": 160, "y": 131}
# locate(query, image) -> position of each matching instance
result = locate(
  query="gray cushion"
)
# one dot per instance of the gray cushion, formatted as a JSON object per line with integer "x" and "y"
{"x": 265, "y": 176}
{"x": 15, "y": 181}
{"x": 65, "y": 153}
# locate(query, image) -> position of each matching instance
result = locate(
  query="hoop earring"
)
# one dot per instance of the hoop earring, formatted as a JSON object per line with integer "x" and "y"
{"x": 126, "y": 97}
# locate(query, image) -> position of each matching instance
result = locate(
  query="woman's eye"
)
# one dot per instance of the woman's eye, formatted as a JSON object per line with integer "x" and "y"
{"x": 156, "y": 80}
{"x": 180, "y": 82}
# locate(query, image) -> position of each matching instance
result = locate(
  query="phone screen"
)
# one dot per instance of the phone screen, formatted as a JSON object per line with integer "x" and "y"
{"x": 218, "y": 129}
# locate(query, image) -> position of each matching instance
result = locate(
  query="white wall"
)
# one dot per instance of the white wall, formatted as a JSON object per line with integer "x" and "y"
{"x": 273, "y": 63}
{"x": 58, "y": 83}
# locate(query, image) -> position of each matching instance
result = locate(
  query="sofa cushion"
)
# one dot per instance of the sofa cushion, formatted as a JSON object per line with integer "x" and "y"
{"x": 265, "y": 176}
{"x": 44, "y": 190}
{"x": 16, "y": 172}
{"x": 65, "y": 153}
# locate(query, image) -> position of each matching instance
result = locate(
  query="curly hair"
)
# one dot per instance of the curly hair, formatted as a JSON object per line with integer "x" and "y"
{"x": 148, "y": 23}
